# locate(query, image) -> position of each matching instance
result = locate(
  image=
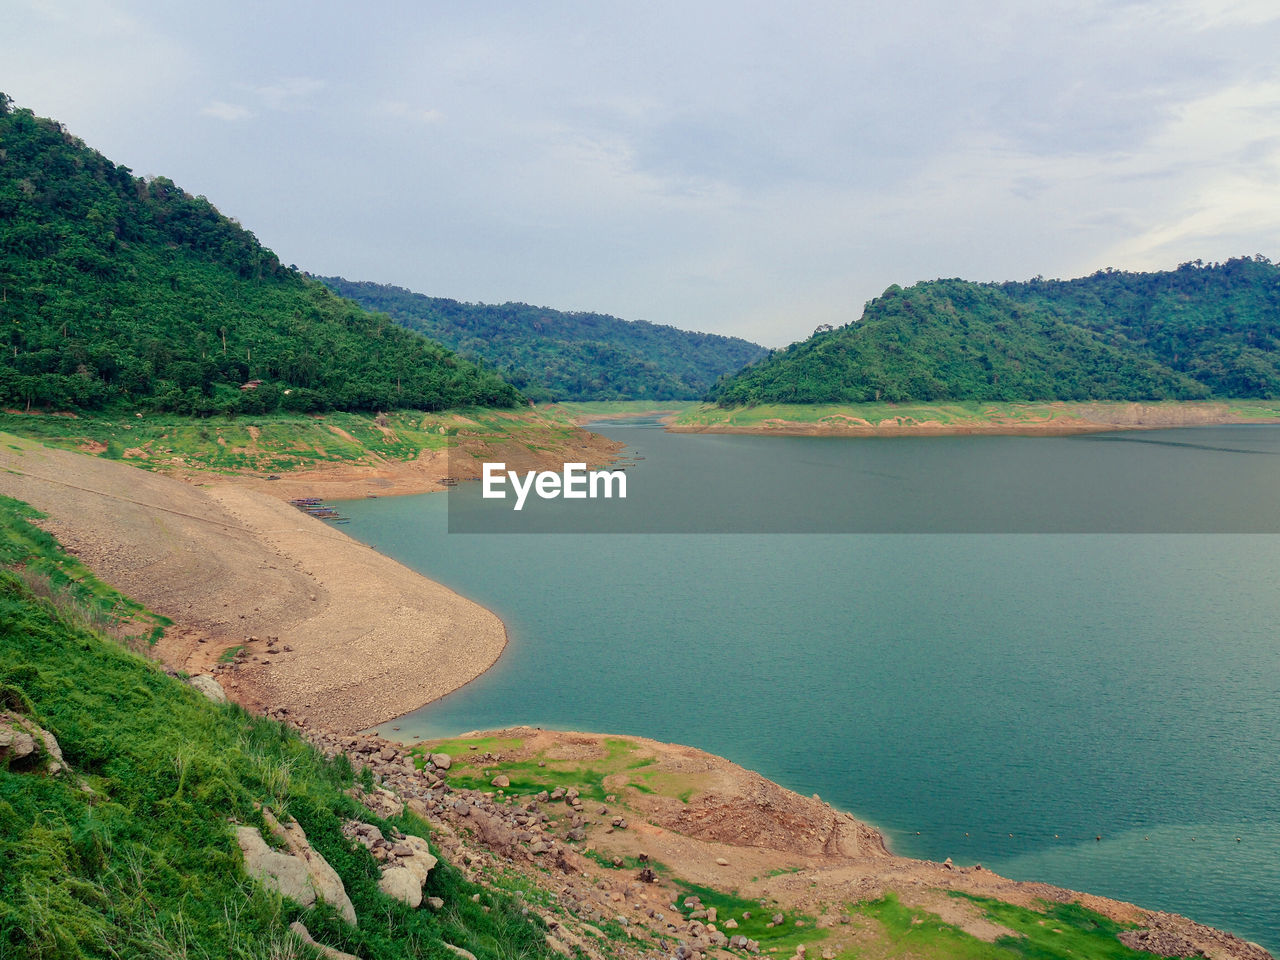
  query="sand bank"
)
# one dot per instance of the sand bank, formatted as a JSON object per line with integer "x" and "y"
{"x": 358, "y": 638}
{"x": 1039, "y": 419}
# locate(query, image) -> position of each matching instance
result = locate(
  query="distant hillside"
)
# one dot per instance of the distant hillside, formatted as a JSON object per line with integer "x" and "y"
{"x": 1197, "y": 332}
{"x": 553, "y": 355}
{"x": 1217, "y": 323}
{"x": 116, "y": 290}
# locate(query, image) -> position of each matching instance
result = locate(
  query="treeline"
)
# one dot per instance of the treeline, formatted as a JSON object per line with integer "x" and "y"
{"x": 119, "y": 290}
{"x": 556, "y": 355}
{"x": 1201, "y": 331}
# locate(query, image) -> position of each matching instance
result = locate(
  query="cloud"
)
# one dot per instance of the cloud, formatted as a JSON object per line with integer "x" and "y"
{"x": 226, "y": 111}
{"x": 404, "y": 111}
{"x": 287, "y": 94}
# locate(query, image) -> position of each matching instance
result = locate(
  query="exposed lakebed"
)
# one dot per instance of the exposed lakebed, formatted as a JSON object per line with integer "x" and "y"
{"x": 997, "y": 696}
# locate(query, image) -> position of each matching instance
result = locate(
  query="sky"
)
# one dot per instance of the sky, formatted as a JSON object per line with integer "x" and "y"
{"x": 732, "y": 167}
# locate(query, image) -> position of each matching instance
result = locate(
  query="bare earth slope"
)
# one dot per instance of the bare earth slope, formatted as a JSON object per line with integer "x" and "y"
{"x": 361, "y": 639}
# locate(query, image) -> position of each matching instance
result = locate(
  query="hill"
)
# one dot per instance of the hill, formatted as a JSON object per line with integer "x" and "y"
{"x": 553, "y": 355}
{"x": 119, "y": 290}
{"x": 1194, "y": 333}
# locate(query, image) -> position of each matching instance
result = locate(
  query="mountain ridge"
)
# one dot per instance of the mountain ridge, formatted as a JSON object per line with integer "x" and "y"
{"x": 552, "y": 354}
{"x": 1199, "y": 332}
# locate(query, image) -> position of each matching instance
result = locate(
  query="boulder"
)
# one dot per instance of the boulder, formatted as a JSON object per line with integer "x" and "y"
{"x": 501, "y": 781}
{"x": 441, "y": 761}
{"x": 25, "y": 741}
{"x": 464, "y": 954}
{"x": 400, "y": 883}
{"x": 300, "y": 874}
{"x": 208, "y": 686}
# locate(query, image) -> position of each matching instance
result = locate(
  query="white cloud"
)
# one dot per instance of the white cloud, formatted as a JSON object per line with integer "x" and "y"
{"x": 226, "y": 111}
{"x": 408, "y": 112}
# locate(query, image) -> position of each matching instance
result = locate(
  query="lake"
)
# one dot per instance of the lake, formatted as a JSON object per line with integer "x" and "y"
{"x": 985, "y": 671}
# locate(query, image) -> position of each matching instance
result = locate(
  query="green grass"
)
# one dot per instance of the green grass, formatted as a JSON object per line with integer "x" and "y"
{"x": 36, "y": 558}
{"x": 280, "y": 442}
{"x": 784, "y": 936}
{"x": 1058, "y": 932}
{"x": 527, "y": 776}
{"x": 628, "y": 862}
{"x": 145, "y": 865}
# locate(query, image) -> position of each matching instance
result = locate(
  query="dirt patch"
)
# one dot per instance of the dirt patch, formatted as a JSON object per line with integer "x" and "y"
{"x": 332, "y": 630}
{"x": 430, "y": 470}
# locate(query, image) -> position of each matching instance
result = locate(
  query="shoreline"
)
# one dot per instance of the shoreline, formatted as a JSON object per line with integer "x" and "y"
{"x": 1047, "y": 419}
{"x": 283, "y": 609}
{"x": 333, "y": 637}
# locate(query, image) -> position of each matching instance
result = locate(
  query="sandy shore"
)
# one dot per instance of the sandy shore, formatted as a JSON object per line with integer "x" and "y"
{"x": 1063, "y": 419}
{"x": 357, "y": 638}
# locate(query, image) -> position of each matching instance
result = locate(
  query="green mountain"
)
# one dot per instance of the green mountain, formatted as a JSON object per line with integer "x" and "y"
{"x": 553, "y": 355}
{"x": 118, "y": 290}
{"x": 1199, "y": 331}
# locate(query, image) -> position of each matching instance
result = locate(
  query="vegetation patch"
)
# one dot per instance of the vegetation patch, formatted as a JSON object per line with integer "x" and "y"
{"x": 37, "y": 559}
{"x": 1061, "y": 931}
{"x": 144, "y": 864}
{"x": 754, "y": 918}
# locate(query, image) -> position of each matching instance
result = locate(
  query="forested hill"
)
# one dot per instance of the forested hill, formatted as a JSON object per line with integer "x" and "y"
{"x": 554, "y": 355}
{"x": 1195, "y": 332}
{"x": 120, "y": 291}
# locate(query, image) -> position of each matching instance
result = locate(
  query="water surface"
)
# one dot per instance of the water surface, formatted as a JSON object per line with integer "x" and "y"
{"x": 996, "y": 697}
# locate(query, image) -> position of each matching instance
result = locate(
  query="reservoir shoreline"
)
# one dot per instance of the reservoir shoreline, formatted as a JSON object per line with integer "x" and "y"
{"x": 236, "y": 569}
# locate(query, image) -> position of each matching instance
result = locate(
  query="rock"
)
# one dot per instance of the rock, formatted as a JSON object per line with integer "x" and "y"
{"x": 15, "y": 742}
{"x": 731, "y": 924}
{"x": 281, "y": 872}
{"x": 722, "y": 861}
{"x": 208, "y": 686}
{"x": 400, "y": 883}
{"x": 776, "y": 919}
{"x": 301, "y": 874}
{"x": 441, "y": 761}
{"x": 22, "y": 739}
{"x": 435, "y": 903}
{"x": 464, "y": 954}
{"x": 304, "y": 935}
{"x": 420, "y": 861}
{"x": 1164, "y": 943}
{"x": 501, "y": 781}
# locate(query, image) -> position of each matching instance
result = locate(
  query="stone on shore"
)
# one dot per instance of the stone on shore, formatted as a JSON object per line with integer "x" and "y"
{"x": 208, "y": 686}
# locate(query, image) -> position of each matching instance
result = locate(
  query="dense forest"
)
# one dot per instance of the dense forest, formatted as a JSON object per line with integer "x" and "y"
{"x": 554, "y": 355}
{"x": 1203, "y": 330}
{"x": 116, "y": 290}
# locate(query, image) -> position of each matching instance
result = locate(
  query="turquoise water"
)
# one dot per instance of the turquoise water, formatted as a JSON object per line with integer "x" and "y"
{"x": 1001, "y": 698}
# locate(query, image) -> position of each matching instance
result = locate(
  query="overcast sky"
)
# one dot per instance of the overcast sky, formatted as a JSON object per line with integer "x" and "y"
{"x": 734, "y": 167}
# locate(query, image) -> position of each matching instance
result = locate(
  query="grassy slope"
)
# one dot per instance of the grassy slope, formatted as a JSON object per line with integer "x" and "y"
{"x": 145, "y": 865}
{"x": 278, "y": 442}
